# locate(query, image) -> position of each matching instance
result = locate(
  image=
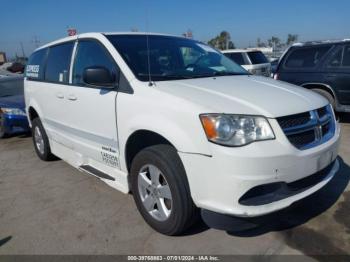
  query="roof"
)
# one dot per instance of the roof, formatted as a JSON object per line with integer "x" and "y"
{"x": 99, "y": 34}
{"x": 138, "y": 33}
{"x": 323, "y": 42}
{"x": 239, "y": 51}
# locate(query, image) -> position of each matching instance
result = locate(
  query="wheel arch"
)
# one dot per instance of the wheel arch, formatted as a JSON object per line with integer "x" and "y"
{"x": 139, "y": 140}
{"x": 322, "y": 86}
{"x": 33, "y": 111}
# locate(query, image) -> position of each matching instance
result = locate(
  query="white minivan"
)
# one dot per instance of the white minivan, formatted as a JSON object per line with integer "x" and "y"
{"x": 179, "y": 125}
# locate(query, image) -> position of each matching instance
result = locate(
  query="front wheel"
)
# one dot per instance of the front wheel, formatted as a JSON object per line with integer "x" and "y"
{"x": 161, "y": 191}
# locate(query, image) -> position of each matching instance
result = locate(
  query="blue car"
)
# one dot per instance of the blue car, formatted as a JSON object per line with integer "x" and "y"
{"x": 13, "y": 118}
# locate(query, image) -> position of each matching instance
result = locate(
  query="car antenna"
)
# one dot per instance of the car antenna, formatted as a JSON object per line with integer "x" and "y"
{"x": 150, "y": 83}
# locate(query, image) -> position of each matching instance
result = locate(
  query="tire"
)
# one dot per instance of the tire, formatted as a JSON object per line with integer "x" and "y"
{"x": 183, "y": 212}
{"x": 326, "y": 95}
{"x": 2, "y": 126}
{"x": 39, "y": 136}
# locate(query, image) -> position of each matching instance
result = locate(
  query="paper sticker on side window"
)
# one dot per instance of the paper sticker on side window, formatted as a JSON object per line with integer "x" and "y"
{"x": 33, "y": 71}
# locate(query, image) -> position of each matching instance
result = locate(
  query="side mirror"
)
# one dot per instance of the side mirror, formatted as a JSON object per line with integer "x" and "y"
{"x": 99, "y": 76}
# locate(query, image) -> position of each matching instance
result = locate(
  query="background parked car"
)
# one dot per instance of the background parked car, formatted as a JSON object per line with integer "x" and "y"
{"x": 252, "y": 60}
{"x": 12, "y": 107}
{"x": 5, "y": 72}
{"x": 320, "y": 66}
{"x": 16, "y": 68}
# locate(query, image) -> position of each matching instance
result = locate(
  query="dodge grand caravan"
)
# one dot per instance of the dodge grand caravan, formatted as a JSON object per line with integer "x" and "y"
{"x": 179, "y": 125}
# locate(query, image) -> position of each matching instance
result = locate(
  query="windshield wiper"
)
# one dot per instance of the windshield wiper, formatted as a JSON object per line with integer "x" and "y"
{"x": 214, "y": 74}
{"x": 179, "y": 76}
{"x": 228, "y": 74}
{"x": 166, "y": 76}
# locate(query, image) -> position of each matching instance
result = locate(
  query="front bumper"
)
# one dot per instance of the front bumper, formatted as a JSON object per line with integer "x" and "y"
{"x": 218, "y": 182}
{"x": 15, "y": 124}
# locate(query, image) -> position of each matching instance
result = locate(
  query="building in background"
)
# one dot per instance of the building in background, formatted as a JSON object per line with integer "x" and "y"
{"x": 2, "y": 58}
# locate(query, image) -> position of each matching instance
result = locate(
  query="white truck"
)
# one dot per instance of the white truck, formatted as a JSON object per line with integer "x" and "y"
{"x": 179, "y": 125}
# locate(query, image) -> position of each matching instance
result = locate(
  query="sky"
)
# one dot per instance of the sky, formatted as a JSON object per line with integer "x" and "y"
{"x": 23, "y": 20}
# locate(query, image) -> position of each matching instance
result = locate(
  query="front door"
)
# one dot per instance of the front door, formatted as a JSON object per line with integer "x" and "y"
{"x": 91, "y": 121}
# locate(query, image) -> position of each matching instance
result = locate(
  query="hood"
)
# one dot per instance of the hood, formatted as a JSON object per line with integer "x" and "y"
{"x": 13, "y": 102}
{"x": 247, "y": 94}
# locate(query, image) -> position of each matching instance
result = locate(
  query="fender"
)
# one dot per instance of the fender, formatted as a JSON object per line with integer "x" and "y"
{"x": 193, "y": 141}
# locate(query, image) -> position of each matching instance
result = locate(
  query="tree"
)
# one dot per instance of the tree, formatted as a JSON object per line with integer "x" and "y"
{"x": 259, "y": 43}
{"x": 274, "y": 42}
{"x": 222, "y": 41}
{"x": 291, "y": 39}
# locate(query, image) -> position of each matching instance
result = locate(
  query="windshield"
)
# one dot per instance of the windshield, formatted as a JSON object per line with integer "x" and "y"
{"x": 172, "y": 58}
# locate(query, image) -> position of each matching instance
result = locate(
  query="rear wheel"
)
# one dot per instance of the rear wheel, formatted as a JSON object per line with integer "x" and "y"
{"x": 326, "y": 95}
{"x": 161, "y": 191}
{"x": 41, "y": 141}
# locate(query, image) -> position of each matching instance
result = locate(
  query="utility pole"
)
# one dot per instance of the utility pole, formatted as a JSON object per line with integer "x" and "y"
{"x": 22, "y": 49}
{"x": 36, "y": 41}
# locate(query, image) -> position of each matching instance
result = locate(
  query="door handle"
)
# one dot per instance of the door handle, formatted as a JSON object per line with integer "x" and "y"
{"x": 72, "y": 97}
{"x": 331, "y": 76}
{"x": 59, "y": 95}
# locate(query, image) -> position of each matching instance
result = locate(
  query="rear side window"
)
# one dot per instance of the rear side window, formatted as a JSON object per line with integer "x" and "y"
{"x": 36, "y": 65}
{"x": 58, "y": 62}
{"x": 257, "y": 58}
{"x": 336, "y": 59}
{"x": 91, "y": 54}
{"x": 236, "y": 57}
{"x": 306, "y": 57}
{"x": 341, "y": 58}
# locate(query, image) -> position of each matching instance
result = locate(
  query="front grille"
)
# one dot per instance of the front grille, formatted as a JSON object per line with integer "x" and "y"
{"x": 322, "y": 112}
{"x": 309, "y": 129}
{"x": 294, "y": 120}
{"x": 299, "y": 140}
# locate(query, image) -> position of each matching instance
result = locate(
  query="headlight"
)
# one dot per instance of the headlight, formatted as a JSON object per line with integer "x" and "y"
{"x": 236, "y": 130}
{"x": 13, "y": 111}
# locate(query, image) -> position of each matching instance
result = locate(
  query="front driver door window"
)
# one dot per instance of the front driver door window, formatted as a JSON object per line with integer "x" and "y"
{"x": 91, "y": 53}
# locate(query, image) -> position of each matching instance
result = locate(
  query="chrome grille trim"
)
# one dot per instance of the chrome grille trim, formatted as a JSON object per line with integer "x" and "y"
{"x": 319, "y": 120}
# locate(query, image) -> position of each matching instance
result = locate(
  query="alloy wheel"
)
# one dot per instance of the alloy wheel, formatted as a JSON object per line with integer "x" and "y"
{"x": 155, "y": 192}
